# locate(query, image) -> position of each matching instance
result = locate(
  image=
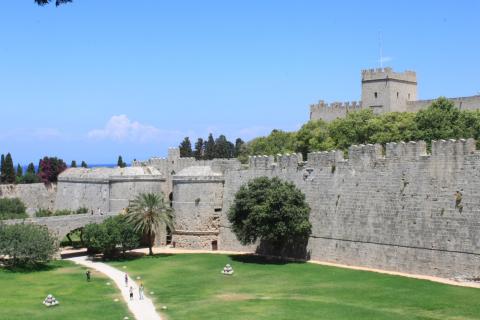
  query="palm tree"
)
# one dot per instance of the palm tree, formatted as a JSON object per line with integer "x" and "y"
{"x": 148, "y": 212}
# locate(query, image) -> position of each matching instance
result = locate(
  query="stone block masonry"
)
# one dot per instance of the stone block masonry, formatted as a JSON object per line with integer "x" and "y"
{"x": 405, "y": 211}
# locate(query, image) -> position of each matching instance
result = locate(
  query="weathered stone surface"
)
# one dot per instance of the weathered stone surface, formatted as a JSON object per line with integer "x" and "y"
{"x": 35, "y": 196}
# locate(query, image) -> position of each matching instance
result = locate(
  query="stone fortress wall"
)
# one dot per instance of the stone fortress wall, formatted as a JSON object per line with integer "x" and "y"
{"x": 384, "y": 90}
{"x": 398, "y": 209}
{"x": 35, "y": 195}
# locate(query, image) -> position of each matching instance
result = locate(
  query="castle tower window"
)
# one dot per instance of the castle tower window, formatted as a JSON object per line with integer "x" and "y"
{"x": 376, "y": 95}
{"x": 397, "y": 95}
{"x": 409, "y": 96}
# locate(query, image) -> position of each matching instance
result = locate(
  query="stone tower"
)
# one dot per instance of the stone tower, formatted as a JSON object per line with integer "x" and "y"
{"x": 384, "y": 90}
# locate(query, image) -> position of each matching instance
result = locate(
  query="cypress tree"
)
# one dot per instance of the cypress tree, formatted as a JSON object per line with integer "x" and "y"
{"x": 210, "y": 148}
{"x": 223, "y": 148}
{"x": 73, "y": 164}
{"x": 186, "y": 148}
{"x": 31, "y": 168}
{"x": 238, "y": 146}
{"x": 199, "y": 149}
{"x": 19, "y": 171}
{"x": 84, "y": 164}
{"x": 2, "y": 169}
{"x": 30, "y": 176}
{"x": 120, "y": 162}
{"x": 9, "y": 169}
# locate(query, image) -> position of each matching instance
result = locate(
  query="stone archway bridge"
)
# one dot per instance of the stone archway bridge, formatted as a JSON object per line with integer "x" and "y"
{"x": 60, "y": 226}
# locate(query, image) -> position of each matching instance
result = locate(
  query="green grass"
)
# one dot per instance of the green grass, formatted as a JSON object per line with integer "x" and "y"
{"x": 22, "y": 294}
{"x": 192, "y": 287}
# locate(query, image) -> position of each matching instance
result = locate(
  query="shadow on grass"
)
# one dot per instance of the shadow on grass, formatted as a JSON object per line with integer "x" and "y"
{"x": 259, "y": 259}
{"x": 129, "y": 256}
{"x": 31, "y": 268}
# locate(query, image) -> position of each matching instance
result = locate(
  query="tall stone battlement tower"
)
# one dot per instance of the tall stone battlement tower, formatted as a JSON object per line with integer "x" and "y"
{"x": 384, "y": 90}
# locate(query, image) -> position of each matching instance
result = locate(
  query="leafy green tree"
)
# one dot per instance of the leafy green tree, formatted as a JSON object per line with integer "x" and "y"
{"x": 353, "y": 129}
{"x": 199, "y": 149}
{"x": 9, "y": 169}
{"x": 120, "y": 162}
{"x": 442, "y": 120}
{"x": 277, "y": 142}
{"x": 129, "y": 238}
{"x": 108, "y": 235}
{"x": 270, "y": 210}
{"x": 313, "y": 136}
{"x": 210, "y": 148}
{"x": 26, "y": 245}
{"x": 84, "y": 164}
{"x": 147, "y": 213}
{"x": 186, "y": 148}
{"x": 73, "y": 164}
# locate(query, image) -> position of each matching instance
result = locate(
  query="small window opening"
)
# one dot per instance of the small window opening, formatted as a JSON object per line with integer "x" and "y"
{"x": 398, "y": 94}
{"x": 409, "y": 96}
{"x": 376, "y": 95}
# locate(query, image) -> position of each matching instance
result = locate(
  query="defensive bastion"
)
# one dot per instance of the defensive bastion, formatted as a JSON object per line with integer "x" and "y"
{"x": 397, "y": 208}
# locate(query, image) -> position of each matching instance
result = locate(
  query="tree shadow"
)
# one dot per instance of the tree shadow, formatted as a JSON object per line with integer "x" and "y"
{"x": 295, "y": 249}
{"x": 129, "y": 256}
{"x": 261, "y": 259}
{"x": 31, "y": 268}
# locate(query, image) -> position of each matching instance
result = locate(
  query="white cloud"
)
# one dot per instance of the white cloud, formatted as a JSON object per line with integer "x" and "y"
{"x": 121, "y": 128}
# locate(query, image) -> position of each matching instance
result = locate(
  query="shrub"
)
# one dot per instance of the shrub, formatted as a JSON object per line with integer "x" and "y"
{"x": 12, "y": 208}
{"x": 270, "y": 210}
{"x": 107, "y": 236}
{"x": 26, "y": 245}
{"x": 50, "y": 213}
{"x": 81, "y": 210}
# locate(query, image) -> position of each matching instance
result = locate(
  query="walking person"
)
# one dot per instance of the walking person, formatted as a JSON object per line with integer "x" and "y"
{"x": 126, "y": 280}
{"x": 141, "y": 288}
{"x": 131, "y": 293}
{"x": 88, "y": 274}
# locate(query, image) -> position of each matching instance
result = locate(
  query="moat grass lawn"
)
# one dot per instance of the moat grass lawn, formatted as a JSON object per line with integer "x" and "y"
{"x": 22, "y": 293}
{"x": 191, "y": 287}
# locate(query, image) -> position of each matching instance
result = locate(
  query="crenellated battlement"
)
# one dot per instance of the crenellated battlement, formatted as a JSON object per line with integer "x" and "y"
{"x": 406, "y": 150}
{"x": 453, "y": 148}
{"x": 321, "y": 106}
{"x": 388, "y": 73}
{"x": 261, "y": 162}
{"x": 369, "y": 154}
{"x": 324, "y": 158}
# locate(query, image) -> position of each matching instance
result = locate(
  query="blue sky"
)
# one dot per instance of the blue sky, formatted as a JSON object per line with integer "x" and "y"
{"x": 95, "y": 79}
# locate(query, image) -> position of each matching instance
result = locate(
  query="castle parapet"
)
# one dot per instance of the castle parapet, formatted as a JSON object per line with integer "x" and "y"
{"x": 406, "y": 151}
{"x": 364, "y": 154}
{"x": 261, "y": 162}
{"x": 324, "y": 158}
{"x": 388, "y": 73}
{"x": 286, "y": 161}
{"x": 452, "y": 148}
{"x": 331, "y": 111}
